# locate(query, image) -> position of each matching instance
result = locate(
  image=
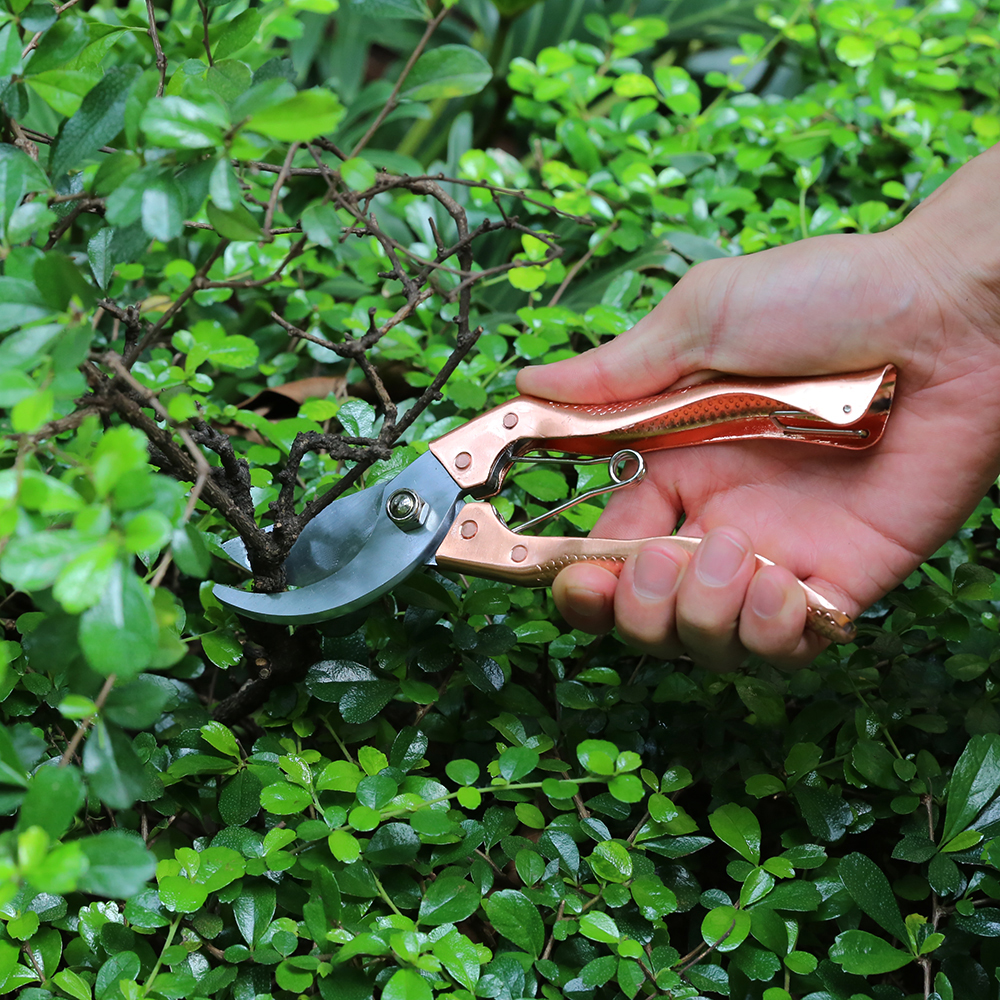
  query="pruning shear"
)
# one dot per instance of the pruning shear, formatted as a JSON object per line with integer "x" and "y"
{"x": 362, "y": 545}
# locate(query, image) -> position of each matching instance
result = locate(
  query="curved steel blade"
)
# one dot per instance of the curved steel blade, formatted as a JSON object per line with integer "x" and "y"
{"x": 352, "y": 553}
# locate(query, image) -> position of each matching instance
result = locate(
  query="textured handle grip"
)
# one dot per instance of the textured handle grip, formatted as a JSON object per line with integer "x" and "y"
{"x": 480, "y": 544}
{"x": 842, "y": 411}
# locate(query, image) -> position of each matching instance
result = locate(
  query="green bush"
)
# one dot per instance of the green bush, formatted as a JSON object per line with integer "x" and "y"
{"x": 448, "y": 793}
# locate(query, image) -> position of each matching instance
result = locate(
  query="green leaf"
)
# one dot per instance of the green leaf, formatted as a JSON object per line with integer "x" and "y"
{"x": 864, "y": 954}
{"x": 448, "y": 901}
{"x": 738, "y": 827}
{"x": 305, "y": 116}
{"x": 221, "y": 738}
{"x": 517, "y": 763}
{"x": 407, "y": 984}
{"x": 237, "y": 34}
{"x": 119, "y": 864}
{"x": 357, "y": 173}
{"x": 871, "y": 890}
{"x": 974, "y": 782}
{"x": 20, "y": 303}
{"x": 692, "y": 246}
{"x": 856, "y": 50}
{"x": 413, "y": 10}
{"x": 72, "y": 984}
{"x": 54, "y": 796}
{"x": 517, "y": 919}
{"x": 162, "y": 209}
{"x": 611, "y": 862}
{"x": 114, "y": 771}
{"x": 253, "y": 910}
{"x": 321, "y": 225}
{"x": 597, "y": 756}
{"x": 182, "y": 895}
{"x": 19, "y": 174}
{"x": 459, "y": 956}
{"x": 11, "y": 769}
{"x": 119, "y": 969}
{"x": 235, "y": 223}
{"x": 100, "y": 118}
{"x": 239, "y": 800}
{"x": 139, "y": 704}
{"x": 725, "y": 927}
{"x": 176, "y": 123}
{"x": 119, "y": 634}
{"x": 447, "y": 71}
{"x": 283, "y": 800}
{"x": 599, "y": 927}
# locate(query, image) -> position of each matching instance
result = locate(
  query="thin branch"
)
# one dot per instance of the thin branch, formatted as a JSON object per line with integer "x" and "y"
{"x": 278, "y": 184}
{"x": 390, "y": 104}
{"x": 113, "y": 361}
{"x": 389, "y": 182}
{"x": 67, "y": 221}
{"x": 205, "y": 18}
{"x": 580, "y": 264}
{"x": 85, "y": 724}
{"x": 193, "y": 286}
{"x": 161, "y": 59}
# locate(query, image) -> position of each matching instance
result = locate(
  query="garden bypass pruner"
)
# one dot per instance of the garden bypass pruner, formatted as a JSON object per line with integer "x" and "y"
{"x": 362, "y": 545}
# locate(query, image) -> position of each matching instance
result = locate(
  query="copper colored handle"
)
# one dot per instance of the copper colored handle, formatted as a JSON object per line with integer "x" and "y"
{"x": 842, "y": 411}
{"x": 480, "y": 544}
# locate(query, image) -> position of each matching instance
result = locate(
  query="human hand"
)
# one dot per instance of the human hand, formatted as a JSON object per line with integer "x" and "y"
{"x": 924, "y": 296}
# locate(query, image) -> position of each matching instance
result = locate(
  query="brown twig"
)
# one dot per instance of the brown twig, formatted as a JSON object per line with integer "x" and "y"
{"x": 580, "y": 264}
{"x": 278, "y": 184}
{"x": 205, "y": 18}
{"x": 394, "y": 95}
{"x": 86, "y": 723}
{"x": 161, "y": 59}
{"x": 193, "y": 286}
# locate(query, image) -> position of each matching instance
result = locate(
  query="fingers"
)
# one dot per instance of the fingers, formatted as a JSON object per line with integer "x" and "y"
{"x": 716, "y": 605}
{"x": 711, "y": 597}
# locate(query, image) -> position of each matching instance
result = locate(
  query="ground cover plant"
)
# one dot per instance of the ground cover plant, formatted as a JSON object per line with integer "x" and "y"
{"x": 253, "y": 257}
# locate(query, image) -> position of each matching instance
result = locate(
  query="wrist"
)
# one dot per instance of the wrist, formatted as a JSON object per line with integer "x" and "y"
{"x": 953, "y": 242}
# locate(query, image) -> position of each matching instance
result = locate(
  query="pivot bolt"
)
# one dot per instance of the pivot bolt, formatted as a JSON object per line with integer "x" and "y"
{"x": 406, "y": 509}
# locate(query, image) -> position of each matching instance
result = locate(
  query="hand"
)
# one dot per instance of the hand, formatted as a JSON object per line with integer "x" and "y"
{"x": 924, "y": 296}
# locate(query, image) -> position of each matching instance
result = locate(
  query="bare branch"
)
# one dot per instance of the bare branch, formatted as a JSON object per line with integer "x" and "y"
{"x": 161, "y": 59}
{"x": 394, "y": 96}
{"x": 278, "y": 184}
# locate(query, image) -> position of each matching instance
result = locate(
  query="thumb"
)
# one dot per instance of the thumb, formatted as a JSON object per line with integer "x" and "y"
{"x": 666, "y": 344}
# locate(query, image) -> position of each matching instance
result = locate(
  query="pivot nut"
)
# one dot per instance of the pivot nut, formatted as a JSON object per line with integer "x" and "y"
{"x": 406, "y": 509}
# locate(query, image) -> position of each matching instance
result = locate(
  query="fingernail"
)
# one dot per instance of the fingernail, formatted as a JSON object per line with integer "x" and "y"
{"x": 655, "y": 575}
{"x": 768, "y": 598}
{"x": 583, "y": 602}
{"x": 718, "y": 560}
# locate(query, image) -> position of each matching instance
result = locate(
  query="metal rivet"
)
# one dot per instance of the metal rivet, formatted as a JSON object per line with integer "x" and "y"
{"x": 519, "y": 553}
{"x": 468, "y": 529}
{"x": 847, "y": 407}
{"x": 463, "y": 460}
{"x": 510, "y": 420}
{"x": 406, "y": 509}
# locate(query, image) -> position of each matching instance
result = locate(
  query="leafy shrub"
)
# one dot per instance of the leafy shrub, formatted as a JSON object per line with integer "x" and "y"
{"x": 247, "y": 253}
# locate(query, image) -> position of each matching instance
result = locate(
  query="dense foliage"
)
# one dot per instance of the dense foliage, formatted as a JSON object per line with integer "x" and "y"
{"x": 254, "y": 257}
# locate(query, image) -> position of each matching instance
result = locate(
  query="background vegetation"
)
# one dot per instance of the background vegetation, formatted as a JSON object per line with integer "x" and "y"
{"x": 256, "y": 256}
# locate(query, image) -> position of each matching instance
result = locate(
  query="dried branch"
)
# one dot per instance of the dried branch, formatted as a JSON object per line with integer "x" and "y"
{"x": 193, "y": 286}
{"x": 278, "y": 184}
{"x": 161, "y": 59}
{"x": 205, "y": 18}
{"x": 390, "y": 104}
{"x": 86, "y": 723}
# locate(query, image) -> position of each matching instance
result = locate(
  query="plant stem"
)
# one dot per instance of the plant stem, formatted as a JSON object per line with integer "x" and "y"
{"x": 391, "y": 102}
{"x": 159, "y": 960}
